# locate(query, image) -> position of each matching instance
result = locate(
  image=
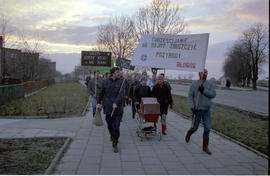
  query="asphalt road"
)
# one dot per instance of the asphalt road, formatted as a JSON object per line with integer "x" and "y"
{"x": 249, "y": 100}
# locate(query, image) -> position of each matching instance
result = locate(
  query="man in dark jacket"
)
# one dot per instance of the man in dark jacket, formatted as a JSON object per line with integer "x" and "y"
{"x": 200, "y": 97}
{"x": 112, "y": 93}
{"x": 135, "y": 83}
{"x": 163, "y": 94}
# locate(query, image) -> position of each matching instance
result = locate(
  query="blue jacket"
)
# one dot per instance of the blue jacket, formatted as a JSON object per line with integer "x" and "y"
{"x": 205, "y": 99}
{"x": 110, "y": 93}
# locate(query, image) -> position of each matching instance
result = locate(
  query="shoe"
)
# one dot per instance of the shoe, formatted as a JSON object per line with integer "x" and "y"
{"x": 164, "y": 129}
{"x": 205, "y": 147}
{"x": 115, "y": 149}
{"x": 187, "y": 138}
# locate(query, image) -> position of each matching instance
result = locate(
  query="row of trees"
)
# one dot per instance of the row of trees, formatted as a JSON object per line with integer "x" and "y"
{"x": 121, "y": 34}
{"x": 245, "y": 59}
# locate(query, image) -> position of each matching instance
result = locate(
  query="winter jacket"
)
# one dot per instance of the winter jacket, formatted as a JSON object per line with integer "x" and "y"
{"x": 142, "y": 91}
{"x": 110, "y": 93}
{"x": 205, "y": 99}
{"x": 132, "y": 89}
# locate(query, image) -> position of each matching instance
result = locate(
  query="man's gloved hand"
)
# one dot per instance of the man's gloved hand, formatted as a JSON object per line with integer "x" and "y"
{"x": 195, "y": 111}
{"x": 201, "y": 88}
{"x": 171, "y": 106}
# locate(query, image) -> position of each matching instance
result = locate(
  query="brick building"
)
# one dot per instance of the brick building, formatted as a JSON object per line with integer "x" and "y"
{"x": 25, "y": 66}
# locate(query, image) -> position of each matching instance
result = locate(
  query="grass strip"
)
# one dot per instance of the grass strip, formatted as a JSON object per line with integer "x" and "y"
{"x": 60, "y": 98}
{"x": 28, "y": 156}
{"x": 248, "y": 128}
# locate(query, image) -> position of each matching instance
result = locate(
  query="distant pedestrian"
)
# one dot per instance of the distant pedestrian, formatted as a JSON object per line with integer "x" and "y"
{"x": 88, "y": 78}
{"x": 94, "y": 88}
{"x": 200, "y": 97}
{"x": 164, "y": 97}
{"x": 112, "y": 94}
{"x": 152, "y": 82}
{"x": 127, "y": 93}
{"x": 135, "y": 83}
{"x": 107, "y": 75}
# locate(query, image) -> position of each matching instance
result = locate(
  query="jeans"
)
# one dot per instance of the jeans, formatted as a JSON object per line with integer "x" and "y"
{"x": 113, "y": 124}
{"x": 94, "y": 104}
{"x": 206, "y": 116}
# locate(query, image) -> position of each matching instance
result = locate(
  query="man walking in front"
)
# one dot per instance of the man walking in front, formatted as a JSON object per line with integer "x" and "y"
{"x": 112, "y": 93}
{"x": 200, "y": 97}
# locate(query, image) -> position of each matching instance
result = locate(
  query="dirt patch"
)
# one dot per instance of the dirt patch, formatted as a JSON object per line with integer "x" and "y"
{"x": 28, "y": 156}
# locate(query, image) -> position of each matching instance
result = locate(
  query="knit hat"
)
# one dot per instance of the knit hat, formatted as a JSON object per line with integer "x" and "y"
{"x": 160, "y": 77}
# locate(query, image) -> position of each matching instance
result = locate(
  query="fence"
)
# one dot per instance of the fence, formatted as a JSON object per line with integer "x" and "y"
{"x": 16, "y": 91}
{"x": 11, "y": 92}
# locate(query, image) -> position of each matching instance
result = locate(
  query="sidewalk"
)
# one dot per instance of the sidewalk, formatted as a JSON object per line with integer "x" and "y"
{"x": 91, "y": 153}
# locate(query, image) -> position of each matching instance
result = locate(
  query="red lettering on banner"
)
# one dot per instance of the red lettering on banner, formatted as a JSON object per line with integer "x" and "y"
{"x": 185, "y": 65}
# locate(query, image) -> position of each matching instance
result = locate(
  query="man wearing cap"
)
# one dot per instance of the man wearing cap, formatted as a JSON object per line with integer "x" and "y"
{"x": 200, "y": 97}
{"x": 163, "y": 94}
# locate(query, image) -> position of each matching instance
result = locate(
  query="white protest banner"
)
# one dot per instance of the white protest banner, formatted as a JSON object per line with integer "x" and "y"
{"x": 177, "y": 52}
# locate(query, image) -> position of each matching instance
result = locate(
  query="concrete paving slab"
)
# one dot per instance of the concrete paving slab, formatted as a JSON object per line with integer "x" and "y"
{"x": 90, "y": 151}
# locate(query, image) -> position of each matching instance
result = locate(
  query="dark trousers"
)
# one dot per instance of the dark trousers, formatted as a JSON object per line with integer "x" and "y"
{"x": 133, "y": 107}
{"x": 206, "y": 116}
{"x": 113, "y": 124}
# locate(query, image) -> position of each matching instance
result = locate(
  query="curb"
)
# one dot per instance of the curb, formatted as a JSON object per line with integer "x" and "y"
{"x": 40, "y": 117}
{"x": 59, "y": 154}
{"x": 86, "y": 106}
{"x": 24, "y": 117}
{"x": 35, "y": 92}
{"x": 229, "y": 138}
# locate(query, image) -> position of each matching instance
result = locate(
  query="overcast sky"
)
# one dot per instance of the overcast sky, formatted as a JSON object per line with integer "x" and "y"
{"x": 65, "y": 27}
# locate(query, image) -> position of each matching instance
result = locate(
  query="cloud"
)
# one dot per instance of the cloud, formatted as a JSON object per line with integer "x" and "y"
{"x": 251, "y": 11}
{"x": 77, "y": 35}
{"x": 224, "y": 16}
{"x": 40, "y": 14}
{"x": 97, "y": 18}
{"x": 217, "y": 23}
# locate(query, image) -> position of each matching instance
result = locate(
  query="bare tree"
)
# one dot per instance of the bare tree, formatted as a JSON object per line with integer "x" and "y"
{"x": 160, "y": 17}
{"x": 256, "y": 41}
{"x": 8, "y": 34}
{"x": 237, "y": 64}
{"x": 31, "y": 47}
{"x": 81, "y": 71}
{"x": 118, "y": 37}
